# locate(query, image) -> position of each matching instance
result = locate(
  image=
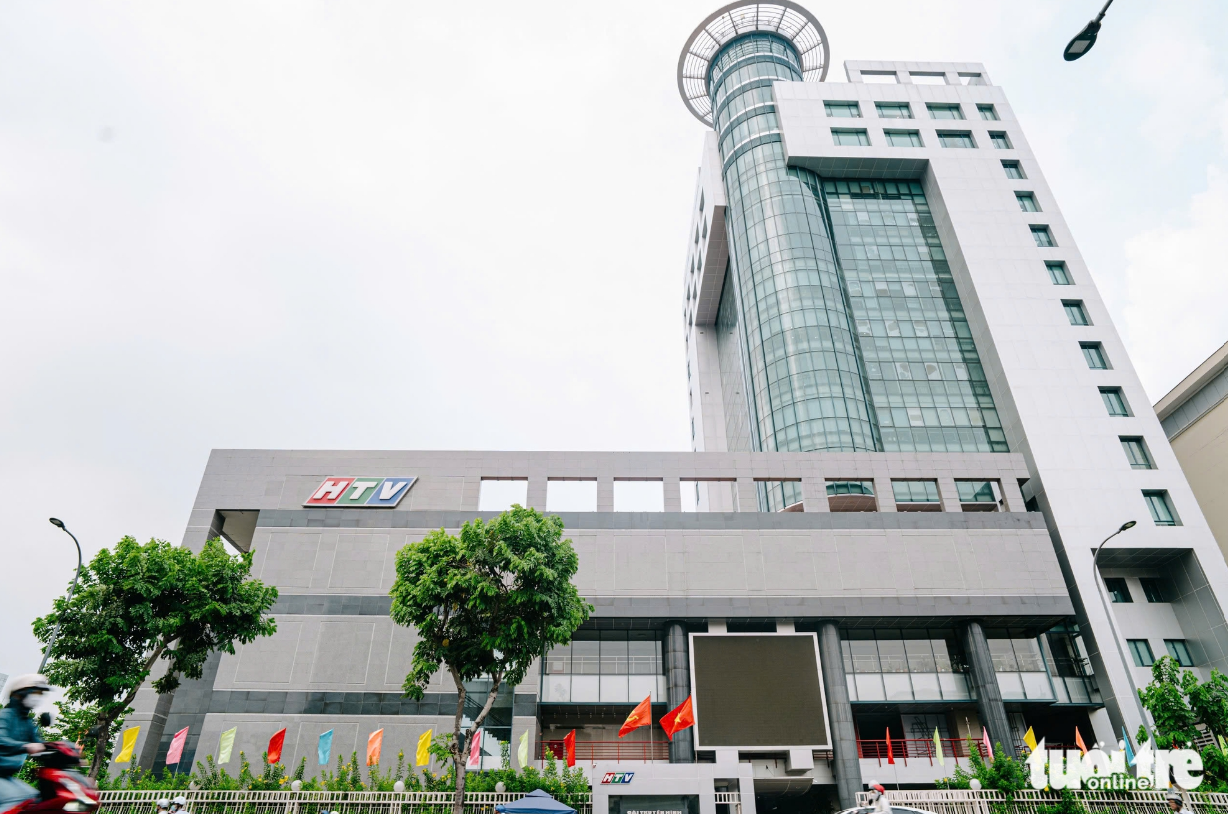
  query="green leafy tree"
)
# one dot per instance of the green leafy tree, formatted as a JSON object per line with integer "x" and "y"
{"x": 138, "y": 604}
{"x": 1209, "y": 701}
{"x": 1004, "y": 773}
{"x": 485, "y": 604}
{"x": 1167, "y": 699}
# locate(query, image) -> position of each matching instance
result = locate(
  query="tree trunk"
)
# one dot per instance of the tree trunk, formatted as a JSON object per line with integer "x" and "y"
{"x": 460, "y": 756}
{"x": 100, "y": 746}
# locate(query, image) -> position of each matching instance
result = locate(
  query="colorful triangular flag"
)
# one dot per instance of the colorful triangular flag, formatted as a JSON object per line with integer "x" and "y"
{"x": 1079, "y": 741}
{"x": 375, "y": 744}
{"x": 324, "y": 748}
{"x": 475, "y": 751}
{"x": 522, "y": 751}
{"x": 275, "y": 744}
{"x": 938, "y": 748}
{"x": 423, "y": 756}
{"x": 640, "y": 716}
{"x": 569, "y": 748}
{"x": 1131, "y": 759}
{"x": 128, "y": 744}
{"x": 226, "y": 745}
{"x": 987, "y": 742}
{"x": 890, "y": 754}
{"x": 1029, "y": 738}
{"x": 175, "y": 753}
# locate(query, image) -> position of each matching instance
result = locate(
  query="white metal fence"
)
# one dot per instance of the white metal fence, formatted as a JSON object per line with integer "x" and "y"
{"x": 318, "y": 802}
{"x": 1038, "y": 802}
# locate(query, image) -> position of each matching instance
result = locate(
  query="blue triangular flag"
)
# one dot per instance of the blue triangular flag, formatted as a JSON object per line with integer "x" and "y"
{"x": 326, "y": 747}
{"x": 1130, "y": 756}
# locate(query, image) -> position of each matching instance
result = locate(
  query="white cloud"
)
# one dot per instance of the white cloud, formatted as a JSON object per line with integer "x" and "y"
{"x": 1177, "y": 284}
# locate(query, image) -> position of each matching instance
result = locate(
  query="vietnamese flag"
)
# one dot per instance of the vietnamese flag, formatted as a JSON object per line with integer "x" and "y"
{"x": 275, "y": 743}
{"x": 640, "y": 716}
{"x": 679, "y": 718}
{"x": 569, "y": 748}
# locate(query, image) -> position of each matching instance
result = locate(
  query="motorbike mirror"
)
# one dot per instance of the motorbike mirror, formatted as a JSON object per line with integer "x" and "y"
{"x": 44, "y": 720}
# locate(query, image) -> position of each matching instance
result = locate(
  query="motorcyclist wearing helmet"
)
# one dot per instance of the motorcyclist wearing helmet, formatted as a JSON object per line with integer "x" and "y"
{"x": 164, "y": 806}
{"x": 19, "y": 737}
{"x": 1176, "y": 802}
{"x": 180, "y": 806}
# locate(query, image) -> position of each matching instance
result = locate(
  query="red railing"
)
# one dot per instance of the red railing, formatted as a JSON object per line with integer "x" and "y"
{"x": 593, "y": 751}
{"x": 906, "y": 749}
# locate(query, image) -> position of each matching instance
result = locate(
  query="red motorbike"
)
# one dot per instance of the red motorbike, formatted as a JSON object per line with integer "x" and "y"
{"x": 60, "y": 787}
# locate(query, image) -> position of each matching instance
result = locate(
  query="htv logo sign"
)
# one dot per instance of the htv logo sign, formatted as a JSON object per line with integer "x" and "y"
{"x": 360, "y": 492}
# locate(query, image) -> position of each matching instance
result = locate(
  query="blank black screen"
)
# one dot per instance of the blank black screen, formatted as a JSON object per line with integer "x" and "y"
{"x": 758, "y": 691}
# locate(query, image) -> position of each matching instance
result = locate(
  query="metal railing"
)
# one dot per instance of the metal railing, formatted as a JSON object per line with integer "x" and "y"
{"x": 593, "y": 751}
{"x": 728, "y": 802}
{"x": 1029, "y": 801}
{"x": 317, "y": 802}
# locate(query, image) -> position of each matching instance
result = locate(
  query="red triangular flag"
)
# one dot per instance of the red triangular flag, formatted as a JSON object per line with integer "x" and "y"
{"x": 175, "y": 753}
{"x": 1079, "y": 741}
{"x": 890, "y": 754}
{"x": 569, "y": 747}
{"x": 475, "y": 751}
{"x": 679, "y": 718}
{"x": 275, "y": 743}
{"x": 640, "y": 716}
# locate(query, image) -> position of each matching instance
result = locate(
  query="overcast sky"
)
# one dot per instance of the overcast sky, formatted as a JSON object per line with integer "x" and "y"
{"x": 412, "y": 225}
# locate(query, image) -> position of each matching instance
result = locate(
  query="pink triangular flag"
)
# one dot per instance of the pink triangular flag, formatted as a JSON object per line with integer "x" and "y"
{"x": 988, "y": 745}
{"x": 175, "y": 752}
{"x": 475, "y": 752}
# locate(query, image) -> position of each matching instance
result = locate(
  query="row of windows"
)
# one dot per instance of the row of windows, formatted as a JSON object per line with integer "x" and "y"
{"x": 903, "y": 110}
{"x": 913, "y": 495}
{"x": 851, "y": 137}
{"x": 1179, "y": 649}
{"x": 1155, "y": 589}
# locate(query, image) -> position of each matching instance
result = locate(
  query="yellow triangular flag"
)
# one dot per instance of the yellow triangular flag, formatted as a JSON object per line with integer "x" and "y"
{"x": 225, "y": 745}
{"x": 424, "y": 748}
{"x": 125, "y": 752}
{"x": 522, "y": 751}
{"x": 1030, "y": 739}
{"x": 938, "y": 748}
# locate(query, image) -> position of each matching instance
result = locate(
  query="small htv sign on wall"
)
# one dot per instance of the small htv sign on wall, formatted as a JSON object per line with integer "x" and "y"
{"x": 360, "y": 492}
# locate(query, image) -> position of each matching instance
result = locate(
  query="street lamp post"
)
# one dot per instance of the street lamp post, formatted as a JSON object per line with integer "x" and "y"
{"x": 1085, "y": 39}
{"x": 56, "y": 630}
{"x": 1125, "y": 664}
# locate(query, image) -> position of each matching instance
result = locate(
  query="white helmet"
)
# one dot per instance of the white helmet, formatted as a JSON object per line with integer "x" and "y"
{"x": 164, "y": 803}
{"x": 1174, "y": 795}
{"x": 30, "y": 682}
{"x": 181, "y": 800}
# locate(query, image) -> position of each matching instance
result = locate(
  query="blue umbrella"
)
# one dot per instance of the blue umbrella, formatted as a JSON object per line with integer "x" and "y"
{"x": 535, "y": 802}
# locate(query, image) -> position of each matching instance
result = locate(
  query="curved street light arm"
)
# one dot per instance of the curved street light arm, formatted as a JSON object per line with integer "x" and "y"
{"x": 71, "y": 588}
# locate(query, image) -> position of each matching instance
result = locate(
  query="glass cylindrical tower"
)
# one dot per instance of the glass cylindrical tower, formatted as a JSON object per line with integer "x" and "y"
{"x": 805, "y": 386}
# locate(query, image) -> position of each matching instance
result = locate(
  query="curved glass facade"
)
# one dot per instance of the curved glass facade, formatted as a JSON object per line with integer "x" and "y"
{"x": 807, "y": 391}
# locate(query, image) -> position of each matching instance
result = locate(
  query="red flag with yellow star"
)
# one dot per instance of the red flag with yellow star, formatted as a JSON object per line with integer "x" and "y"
{"x": 679, "y": 718}
{"x": 640, "y": 716}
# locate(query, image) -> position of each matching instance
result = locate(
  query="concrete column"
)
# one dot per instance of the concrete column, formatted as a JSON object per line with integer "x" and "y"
{"x": 814, "y": 495}
{"x": 948, "y": 493}
{"x": 535, "y": 494}
{"x": 605, "y": 494}
{"x": 153, "y": 737}
{"x": 884, "y": 496}
{"x": 678, "y": 681}
{"x": 748, "y": 495}
{"x": 672, "y": 494}
{"x": 988, "y": 695}
{"x": 846, "y": 765}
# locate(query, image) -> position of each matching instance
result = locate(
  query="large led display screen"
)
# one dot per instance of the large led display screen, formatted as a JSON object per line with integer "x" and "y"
{"x": 755, "y": 691}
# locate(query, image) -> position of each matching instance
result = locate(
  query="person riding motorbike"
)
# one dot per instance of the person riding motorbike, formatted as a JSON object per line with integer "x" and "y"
{"x": 19, "y": 737}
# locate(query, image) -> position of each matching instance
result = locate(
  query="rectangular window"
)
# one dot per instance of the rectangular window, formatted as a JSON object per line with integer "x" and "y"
{"x": 1180, "y": 650}
{"x": 1058, "y": 273}
{"x": 927, "y": 78}
{"x": 971, "y": 79}
{"x": 1043, "y": 237}
{"x": 843, "y": 110}
{"x": 945, "y": 112}
{"x": 1000, "y": 141}
{"x": 1161, "y": 508}
{"x": 893, "y": 110}
{"x": 1141, "y": 650}
{"x": 978, "y": 495}
{"x": 1118, "y": 590}
{"x": 1075, "y": 312}
{"x": 1027, "y": 202}
{"x": 1115, "y": 401}
{"x": 1013, "y": 170}
{"x": 903, "y": 138}
{"x": 1156, "y": 590}
{"x": 916, "y": 495}
{"x": 879, "y": 77}
{"x": 1136, "y": 452}
{"x": 988, "y": 112}
{"x": 850, "y": 138}
{"x": 956, "y": 139}
{"x": 851, "y": 496}
{"x": 1093, "y": 352}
